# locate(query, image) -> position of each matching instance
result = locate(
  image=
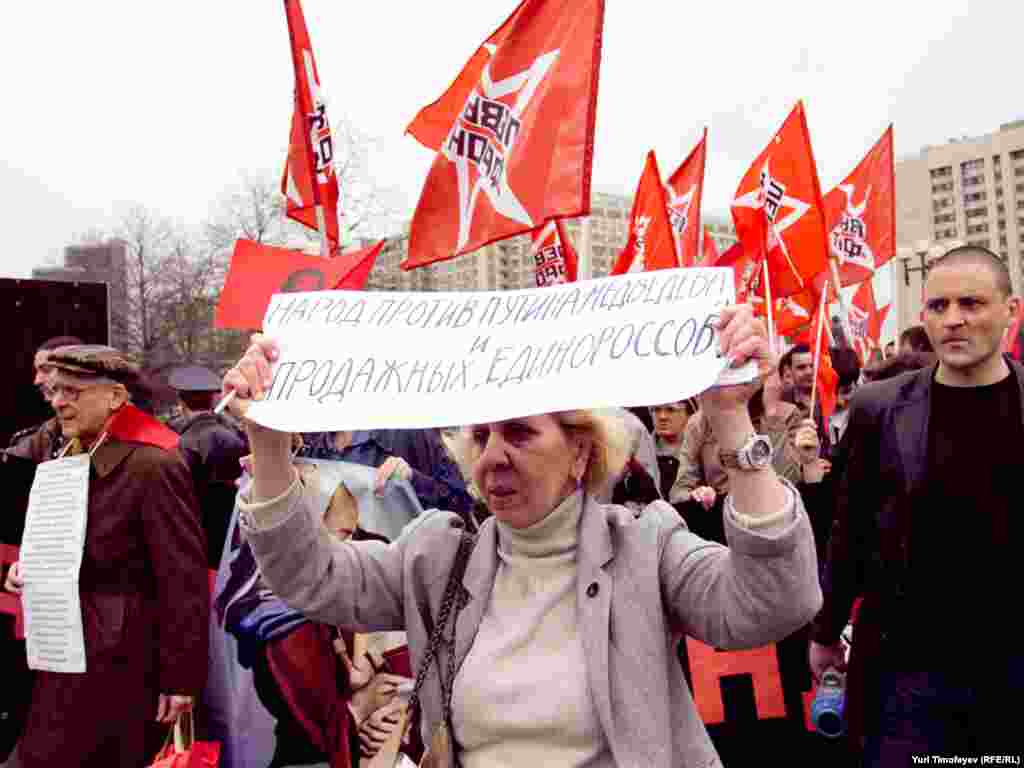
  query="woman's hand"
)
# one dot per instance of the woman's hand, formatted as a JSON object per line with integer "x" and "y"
{"x": 807, "y": 442}
{"x": 393, "y": 467}
{"x": 742, "y": 338}
{"x": 378, "y": 727}
{"x": 14, "y": 581}
{"x": 250, "y": 379}
{"x": 705, "y": 495}
{"x": 360, "y": 671}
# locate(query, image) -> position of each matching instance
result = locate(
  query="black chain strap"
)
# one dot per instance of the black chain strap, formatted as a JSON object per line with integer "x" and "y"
{"x": 451, "y": 598}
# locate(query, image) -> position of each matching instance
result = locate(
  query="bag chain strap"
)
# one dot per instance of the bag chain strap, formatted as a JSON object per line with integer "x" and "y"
{"x": 451, "y": 592}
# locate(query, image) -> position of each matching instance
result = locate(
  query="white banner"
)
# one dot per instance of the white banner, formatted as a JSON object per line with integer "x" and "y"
{"x": 51, "y": 557}
{"x": 371, "y": 360}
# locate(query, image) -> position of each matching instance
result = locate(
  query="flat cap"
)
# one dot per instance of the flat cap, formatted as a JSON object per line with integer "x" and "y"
{"x": 194, "y": 378}
{"x": 95, "y": 360}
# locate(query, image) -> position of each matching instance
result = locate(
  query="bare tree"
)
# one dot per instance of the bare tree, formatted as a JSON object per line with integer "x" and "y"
{"x": 135, "y": 318}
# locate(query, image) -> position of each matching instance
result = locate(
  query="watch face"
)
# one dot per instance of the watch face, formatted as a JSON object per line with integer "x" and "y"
{"x": 760, "y": 452}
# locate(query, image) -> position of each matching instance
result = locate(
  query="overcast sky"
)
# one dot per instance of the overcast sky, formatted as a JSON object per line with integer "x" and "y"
{"x": 167, "y": 104}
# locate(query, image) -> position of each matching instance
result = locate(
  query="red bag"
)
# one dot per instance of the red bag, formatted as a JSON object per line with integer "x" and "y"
{"x": 180, "y": 750}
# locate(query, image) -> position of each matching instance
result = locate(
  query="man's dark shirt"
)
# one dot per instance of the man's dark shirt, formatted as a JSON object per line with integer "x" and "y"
{"x": 962, "y": 538}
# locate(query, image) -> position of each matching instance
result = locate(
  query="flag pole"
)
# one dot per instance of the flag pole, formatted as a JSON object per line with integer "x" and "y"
{"x": 844, "y": 308}
{"x": 817, "y": 348}
{"x": 770, "y": 308}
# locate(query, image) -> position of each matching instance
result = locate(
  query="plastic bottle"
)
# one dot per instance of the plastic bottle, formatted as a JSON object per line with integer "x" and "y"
{"x": 828, "y": 705}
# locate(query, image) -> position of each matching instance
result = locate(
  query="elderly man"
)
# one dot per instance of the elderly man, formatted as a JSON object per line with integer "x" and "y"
{"x": 143, "y": 582}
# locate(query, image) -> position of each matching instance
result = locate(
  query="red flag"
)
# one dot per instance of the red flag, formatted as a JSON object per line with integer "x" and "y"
{"x": 711, "y": 254}
{"x": 778, "y": 210}
{"x": 865, "y": 321}
{"x": 309, "y": 180}
{"x": 685, "y": 189}
{"x": 793, "y": 312}
{"x": 746, "y": 275}
{"x": 651, "y": 241}
{"x": 136, "y": 426}
{"x": 257, "y": 272}
{"x": 554, "y": 258}
{"x": 861, "y": 215}
{"x": 514, "y": 133}
{"x": 827, "y": 380}
{"x": 357, "y": 266}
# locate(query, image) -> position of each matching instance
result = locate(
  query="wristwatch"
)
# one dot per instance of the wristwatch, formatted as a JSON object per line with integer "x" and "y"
{"x": 754, "y": 455}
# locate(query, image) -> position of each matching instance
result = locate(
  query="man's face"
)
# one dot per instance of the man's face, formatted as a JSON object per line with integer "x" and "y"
{"x": 966, "y": 315}
{"x": 83, "y": 407}
{"x": 42, "y": 368}
{"x": 803, "y": 371}
{"x": 670, "y": 419}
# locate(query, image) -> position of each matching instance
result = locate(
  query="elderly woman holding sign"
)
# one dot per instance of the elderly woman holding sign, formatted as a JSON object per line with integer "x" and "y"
{"x": 547, "y": 639}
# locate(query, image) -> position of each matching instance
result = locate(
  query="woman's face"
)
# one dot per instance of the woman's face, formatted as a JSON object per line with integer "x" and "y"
{"x": 526, "y": 467}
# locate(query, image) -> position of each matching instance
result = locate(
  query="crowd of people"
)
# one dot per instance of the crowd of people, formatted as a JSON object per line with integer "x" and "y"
{"x": 533, "y": 613}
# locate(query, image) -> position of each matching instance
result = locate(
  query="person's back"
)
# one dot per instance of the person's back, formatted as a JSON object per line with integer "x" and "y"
{"x": 924, "y": 514}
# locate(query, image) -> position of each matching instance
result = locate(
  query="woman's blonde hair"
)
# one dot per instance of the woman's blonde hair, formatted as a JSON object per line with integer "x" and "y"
{"x": 609, "y": 446}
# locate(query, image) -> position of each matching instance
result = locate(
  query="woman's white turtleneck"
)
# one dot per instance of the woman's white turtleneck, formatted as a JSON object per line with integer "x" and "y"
{"x": 522, "y": 697}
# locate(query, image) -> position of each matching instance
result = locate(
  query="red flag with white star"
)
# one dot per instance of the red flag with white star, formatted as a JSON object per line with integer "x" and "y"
{"x": 309, "y": 182}
{"x": 685, "y": 189}
{"x": 514, "y": 133}
{"x": 554, "y": 258}
{"x": 861, "y": 215}
{"x": 778, "y": 210}
{"x": 651, "y": 242}
{"x": 711, "y": 254}
{"x": 865, "y": 321}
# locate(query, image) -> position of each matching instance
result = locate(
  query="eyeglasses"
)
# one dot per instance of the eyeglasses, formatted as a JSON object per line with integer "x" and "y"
{"x": 68, "y": 392}
{"x": 671, "y": 408}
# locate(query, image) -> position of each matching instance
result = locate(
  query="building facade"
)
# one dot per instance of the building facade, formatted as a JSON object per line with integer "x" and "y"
{"x": 508, "y": 264}
{"x": 103, "y": 262}
{"x": 968, "y": 191}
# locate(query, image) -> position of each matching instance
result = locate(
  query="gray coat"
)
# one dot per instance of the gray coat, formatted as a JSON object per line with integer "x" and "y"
{"x": 639, "y": 579}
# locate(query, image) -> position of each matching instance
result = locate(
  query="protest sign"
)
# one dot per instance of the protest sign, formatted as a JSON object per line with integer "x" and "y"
{"x": 357, "y": 360}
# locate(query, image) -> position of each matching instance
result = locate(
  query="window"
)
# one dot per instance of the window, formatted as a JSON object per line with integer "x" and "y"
{"x": 974, "y": 213}
{"x": 999, "y": 191}
{"x": 970, "y": 181}
{"x": 973, "y": 197}
{"x": 1002, "y": 223}
{"x": 1001, "y": 208}
{"x": 999, "y": 176}
{"x": 996, "y": 159}
{"x": 1002, "y": 241}
{"x": 977, "y": 229}
{"x": 979, "y": 243}
{"x": 1020, "y": 189}
{"x": 1020, "y": 204}
{"x": 972, "y": 165}
{"x": 938, "y": 173}
{"x": 1017, "y": 155}
{"x": 945, "y": 187}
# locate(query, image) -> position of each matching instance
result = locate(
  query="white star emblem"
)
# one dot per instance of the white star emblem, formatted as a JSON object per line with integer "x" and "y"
{"x": 524, "y": 85}
{"x": 766, "y": 197}
{"x": 679, "y": 212}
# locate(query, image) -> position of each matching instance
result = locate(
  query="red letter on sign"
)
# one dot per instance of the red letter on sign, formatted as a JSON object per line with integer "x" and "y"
{"x": 708, "y": 667}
